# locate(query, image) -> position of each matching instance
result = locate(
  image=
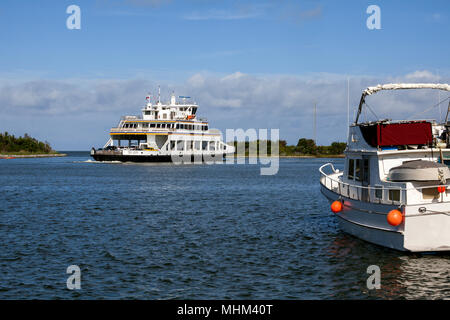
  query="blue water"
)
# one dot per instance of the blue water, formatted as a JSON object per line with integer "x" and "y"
{"x": 165, "y": 231}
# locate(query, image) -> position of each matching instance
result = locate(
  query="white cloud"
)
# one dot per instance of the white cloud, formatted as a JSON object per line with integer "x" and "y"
{"x": 236, "y": 100}
{"x": 151, "y": 3}
{"x": 215, "y": 14}
{"x": 422, "y": 75}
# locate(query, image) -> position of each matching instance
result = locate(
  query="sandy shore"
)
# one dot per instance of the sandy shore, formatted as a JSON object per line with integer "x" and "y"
{"x": 13, "y": 156}
{"x": 303, "y": 157}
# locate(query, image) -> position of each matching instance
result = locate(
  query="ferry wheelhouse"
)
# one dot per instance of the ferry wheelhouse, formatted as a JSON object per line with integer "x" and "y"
{"x": 165, "y": 132}
{"x": 394, "y": 189}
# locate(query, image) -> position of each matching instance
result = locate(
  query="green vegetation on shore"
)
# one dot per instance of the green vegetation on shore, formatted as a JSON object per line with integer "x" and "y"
{"x": 26, "y": 145}
{"x": 304, "y": 148}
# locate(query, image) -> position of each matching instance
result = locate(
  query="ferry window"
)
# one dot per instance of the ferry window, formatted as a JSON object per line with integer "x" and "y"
{"x": 178, "y": 126}
{"x": 163, "y": 125}
{"x": 394, "y": 195}
{"x": 206, "y": 128}
{"x": 180, "y": 145}
{"x": 204, "y": 145}
{"x": 212, "y": 146}
{"x": 197, "y": 145}
{"x": 172, "y": 145}
{"x": 152, "y": 125}
{"x": 158, "y": 125}
{"x": 358, "y": 170}
{"x": 351, "y": 166}
{"x": 145, "y": 125}
{"x": 164, "y": 116}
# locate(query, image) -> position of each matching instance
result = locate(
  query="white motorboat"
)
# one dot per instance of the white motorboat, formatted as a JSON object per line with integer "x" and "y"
{"x": 394, "y": 189}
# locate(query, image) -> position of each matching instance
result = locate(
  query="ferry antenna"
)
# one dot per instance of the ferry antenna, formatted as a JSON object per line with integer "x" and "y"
{"x": 159, "y": 93}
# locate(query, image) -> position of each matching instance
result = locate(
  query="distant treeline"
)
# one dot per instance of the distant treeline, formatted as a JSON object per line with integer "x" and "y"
{"x": 304, "y": 147}
{"x": 23, "y": 145}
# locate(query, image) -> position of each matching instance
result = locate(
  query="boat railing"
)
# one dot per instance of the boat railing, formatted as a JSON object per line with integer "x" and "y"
{"x": 382, "y": 194}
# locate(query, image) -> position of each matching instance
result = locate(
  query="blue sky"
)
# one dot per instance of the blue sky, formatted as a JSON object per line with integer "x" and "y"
{"x": 146, "y": 42}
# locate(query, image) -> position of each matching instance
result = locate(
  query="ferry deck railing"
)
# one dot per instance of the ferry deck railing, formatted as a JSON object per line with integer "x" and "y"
{"x": 140, "y": 130}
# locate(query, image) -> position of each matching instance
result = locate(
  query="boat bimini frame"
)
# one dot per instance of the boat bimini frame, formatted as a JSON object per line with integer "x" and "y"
{"x": 398, "y": 86}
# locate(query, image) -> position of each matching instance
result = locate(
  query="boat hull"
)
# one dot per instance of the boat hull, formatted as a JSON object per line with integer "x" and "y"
{"x": 367, "y": 221}
{"x": 418, "y": 232}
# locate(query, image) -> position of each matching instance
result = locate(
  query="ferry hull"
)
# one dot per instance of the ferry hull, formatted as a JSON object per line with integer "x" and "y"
{"x": 418, "y": 233}
{"x": 148, "y": 158}
{"x": 131, "y": 158}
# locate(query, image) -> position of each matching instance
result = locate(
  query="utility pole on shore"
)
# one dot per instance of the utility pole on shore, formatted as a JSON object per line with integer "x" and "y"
{"x": 315, "y": 124}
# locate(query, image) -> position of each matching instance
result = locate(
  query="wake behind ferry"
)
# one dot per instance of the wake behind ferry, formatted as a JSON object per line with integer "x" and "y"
{"x": 165, "y": 132}
{"x": 394, "y": 190}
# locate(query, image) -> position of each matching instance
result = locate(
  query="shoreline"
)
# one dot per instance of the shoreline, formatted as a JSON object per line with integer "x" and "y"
{"x": 316, "y": 157}
{"x": 333, "y": 156}
{"x": 14, "y": 156}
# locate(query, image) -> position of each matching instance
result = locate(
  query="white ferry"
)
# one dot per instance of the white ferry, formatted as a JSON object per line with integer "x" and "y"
{"x": 394, "y": 189}
{"x": 169, "y": 132}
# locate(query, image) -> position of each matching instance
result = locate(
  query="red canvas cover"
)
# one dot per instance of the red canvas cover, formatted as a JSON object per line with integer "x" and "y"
{"x": 396, "y": 134}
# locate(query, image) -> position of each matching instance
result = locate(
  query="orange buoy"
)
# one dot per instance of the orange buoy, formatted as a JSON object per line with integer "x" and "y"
{"x": 394, "y": 217}
{"x": 336, "y": 206}
{"x": 441, "y": 189}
